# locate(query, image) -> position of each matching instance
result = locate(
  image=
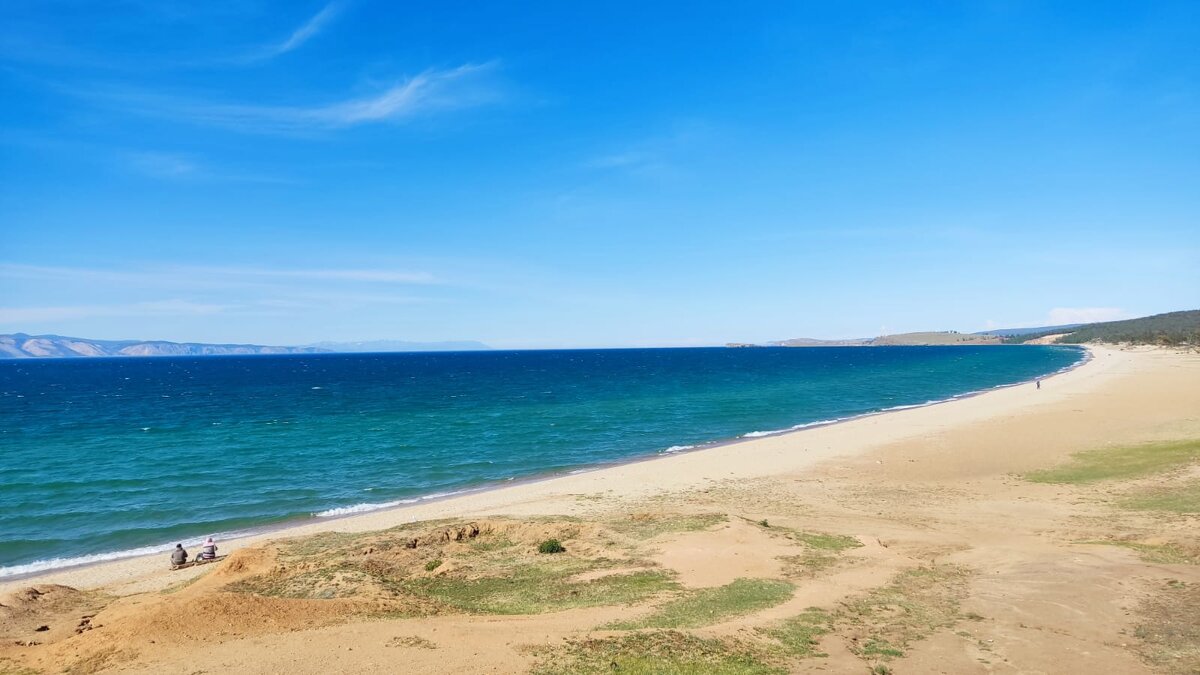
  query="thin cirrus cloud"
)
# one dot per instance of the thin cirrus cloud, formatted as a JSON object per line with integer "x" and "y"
{"x": 361, "y": 275}
{"x": 161, "y": 164}
{"x": 466, "y": 86}
{"x": 175, "y": 167}
{"x": 175, "y": 307}
{"x": 308, "y": 30}
{"x": 215, "y": 277}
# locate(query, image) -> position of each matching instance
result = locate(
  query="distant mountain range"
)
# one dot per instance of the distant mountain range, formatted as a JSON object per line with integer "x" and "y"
{"x": 401, "y": 346}
{"x": 947, "y": 337}
{"x": 1043, "y": 330}
{"x": 21, "y": 346}
{"x": 1173, "y": 328}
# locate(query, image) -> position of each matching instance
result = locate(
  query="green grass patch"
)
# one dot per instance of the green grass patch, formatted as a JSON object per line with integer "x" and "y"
{"x": 800, "y": 635}
{"x": 816, "y": 541}
{"x": 338, "y": 581}
{"x": 648, "y": 525}
{"x": 551, "y": 546}
{"x": 656, "y": 653}
{"x": 537, "y": 588}
{"x": 835, "y": 543}
{"x": 885, "y": 621}
{"x": 1166, "y": 554}
{"x": 821, "y": 551}
{"x": 433, "y": 565}
{"x": 712, "y": 605}
{"x": 322, "y": 543}
{"x": 1123, "y": 462}
{"x": 807, "y": 564}
{"x": 1182, "y": 498}
{"x": 489, "y": 544}
{"x": 880, "y": 648}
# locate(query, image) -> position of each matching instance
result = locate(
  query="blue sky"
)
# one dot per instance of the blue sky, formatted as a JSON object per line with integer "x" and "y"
{"x": 604, "y": 174}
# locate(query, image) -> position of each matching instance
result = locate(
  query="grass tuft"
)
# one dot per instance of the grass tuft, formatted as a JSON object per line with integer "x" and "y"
{"x": 913, "y": 605}
{"x": 1121, "y": 462}
{"x": 827, "y": 542}
{"x": 537, "y": 588}
{"x": 551, "y": 546}
{"x": 655, "y": 653}
{"x": 800, "y": 635}
{"x": 1165, "y": 554}
{"x": 821, "y": 551}
{"x": 713, "y": 605}
{"x": 648, "y": 525}
{"x": 1183, "y": 498}
{"x": 1170, "y": 629}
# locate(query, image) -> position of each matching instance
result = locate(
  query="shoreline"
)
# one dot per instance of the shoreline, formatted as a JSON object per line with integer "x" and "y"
{"x": 141, "y": 558}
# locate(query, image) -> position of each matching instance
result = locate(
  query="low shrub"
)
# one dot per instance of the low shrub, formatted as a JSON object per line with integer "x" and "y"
{"x": 551, "y": 546}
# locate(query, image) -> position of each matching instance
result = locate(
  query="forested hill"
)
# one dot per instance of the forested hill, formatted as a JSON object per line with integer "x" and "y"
{"x": 1172, "y": 328}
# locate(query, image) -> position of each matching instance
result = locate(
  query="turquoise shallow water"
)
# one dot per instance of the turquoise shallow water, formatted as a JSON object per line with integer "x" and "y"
{"x": 127, "y": 455}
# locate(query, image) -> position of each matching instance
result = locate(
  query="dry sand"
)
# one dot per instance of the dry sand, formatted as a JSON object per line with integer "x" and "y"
{"x": 935, "y": 485}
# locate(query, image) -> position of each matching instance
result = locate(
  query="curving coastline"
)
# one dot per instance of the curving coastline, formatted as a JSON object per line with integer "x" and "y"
{"x": 104, "y": 568}
{"x": 335, "y": 513}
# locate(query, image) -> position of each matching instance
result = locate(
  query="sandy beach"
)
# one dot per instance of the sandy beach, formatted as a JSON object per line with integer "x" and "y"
{"x": 1025, "y": 576}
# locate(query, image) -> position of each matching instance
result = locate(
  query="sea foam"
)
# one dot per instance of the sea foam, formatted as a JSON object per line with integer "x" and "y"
{"x": 367, "y": 507}
{"x": 58, "y": 563}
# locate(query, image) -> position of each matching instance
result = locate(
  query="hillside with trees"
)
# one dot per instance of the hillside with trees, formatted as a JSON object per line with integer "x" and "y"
{"x": 1172, "y": 328}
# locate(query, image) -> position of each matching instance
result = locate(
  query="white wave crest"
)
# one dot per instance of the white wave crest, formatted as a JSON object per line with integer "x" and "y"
{"x": 363, "y": 508}
{"x": 797, "y": 427}
{"x": 57, "y": 563}
{"x": 367, "y": 507}
{"x": 760, "y": 434}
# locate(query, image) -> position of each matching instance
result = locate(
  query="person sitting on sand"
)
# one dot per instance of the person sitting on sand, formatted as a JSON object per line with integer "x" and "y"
{"x": 179, "y": 555}
{"x": 208, "y": 551}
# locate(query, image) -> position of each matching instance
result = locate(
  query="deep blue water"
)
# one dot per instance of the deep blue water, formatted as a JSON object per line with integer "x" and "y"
{"x": 105, "y": 455}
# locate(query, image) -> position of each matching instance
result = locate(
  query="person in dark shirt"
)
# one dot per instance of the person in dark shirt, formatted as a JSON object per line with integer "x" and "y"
{"x": 178, "y": 556}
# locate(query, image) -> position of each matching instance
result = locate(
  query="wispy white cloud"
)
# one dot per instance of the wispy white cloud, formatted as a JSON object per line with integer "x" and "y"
{"x": 215, "y": 277}
{"x": 161, "y": 164}
{"x": 319, "y": 274}
{"x": 655, "y": 157}
{"x": 198, "y": 291}
{"x": 177, "y": 167}
{"x": 1067, "y": 315}
{"x": 644, "y": 162}
{"x": 306, "y": 31}
{"x": 432, "y": 91}
{"x": 174, "y": 307}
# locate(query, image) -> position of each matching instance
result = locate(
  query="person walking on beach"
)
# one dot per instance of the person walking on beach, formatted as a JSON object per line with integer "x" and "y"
{"x": 1039, "y": 384}
{"x": 179, "y": 555}
{"x": 208, "y": 551}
